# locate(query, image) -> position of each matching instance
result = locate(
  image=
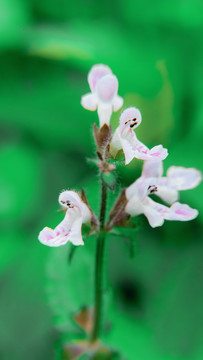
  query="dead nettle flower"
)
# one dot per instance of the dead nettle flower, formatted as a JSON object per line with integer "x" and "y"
{"x": 125, "y": 138}
{"x": 177, "y": 178}
{"x": 139, "y": 202}
{"x": 69, "y": 228}
{"x": 103, "y": 97}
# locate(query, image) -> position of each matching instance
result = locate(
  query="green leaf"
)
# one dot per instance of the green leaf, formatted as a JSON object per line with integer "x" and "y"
{"x": 158, "y": 296}
{"x": 22, "y": 301}
{"x": 129, "y": 237}
{"x": 68, "y": 283}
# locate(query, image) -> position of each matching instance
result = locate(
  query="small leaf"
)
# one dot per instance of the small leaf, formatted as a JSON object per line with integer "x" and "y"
{"x": 128, "y": 234}
{"x": 67, "y": 285}
{"x": 94, "y": 220}
{"x": 118, "y": 216}
{"x": 85, "y": 319}
{"x": 109, "y": 180}
{"x": 84, "y": 197}
{"x": 102, "y": 136}
{"x": 92, "y": 161}
{"x": 119, "y": 204}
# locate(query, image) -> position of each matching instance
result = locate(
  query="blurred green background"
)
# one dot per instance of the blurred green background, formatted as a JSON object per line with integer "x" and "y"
{"x": 154, "y": 301}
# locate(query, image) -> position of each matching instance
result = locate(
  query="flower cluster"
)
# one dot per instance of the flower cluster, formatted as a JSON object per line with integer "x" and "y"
{"x": 134, "y": 200}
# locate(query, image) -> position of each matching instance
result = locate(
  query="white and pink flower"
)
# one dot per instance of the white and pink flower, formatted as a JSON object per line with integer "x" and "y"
{"x": 139, "y": 202}
{"x": 125, "y": 138}
{"x": 103, "y": 97}
{"x": 177, "y": 178}
{"x": 69, "y": 228}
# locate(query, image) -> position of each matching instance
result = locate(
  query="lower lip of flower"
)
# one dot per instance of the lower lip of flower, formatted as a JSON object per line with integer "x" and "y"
{"x": 181, "y": 212}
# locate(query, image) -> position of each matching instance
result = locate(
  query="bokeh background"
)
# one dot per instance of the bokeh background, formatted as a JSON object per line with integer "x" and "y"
{"x": 47, "y": 48}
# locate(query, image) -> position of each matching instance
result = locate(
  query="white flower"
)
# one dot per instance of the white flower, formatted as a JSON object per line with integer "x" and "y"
{"x": 139, "y": 202}
{"x": 69, "y": 228}
{"x": 125, "y": 138}
{"x": 177, "y": 178}
{"x": 103, "y": 97}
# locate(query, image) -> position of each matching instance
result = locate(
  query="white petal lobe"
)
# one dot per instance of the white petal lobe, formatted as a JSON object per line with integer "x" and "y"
{"x": 89, "y": 102}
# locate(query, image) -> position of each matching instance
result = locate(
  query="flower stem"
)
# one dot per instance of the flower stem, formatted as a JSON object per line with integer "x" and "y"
{"x": 99, "y": 265}
{"x": 103, "y": 204}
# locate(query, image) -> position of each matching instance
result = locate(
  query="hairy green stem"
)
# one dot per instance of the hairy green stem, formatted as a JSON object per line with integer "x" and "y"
{"x": 103, "y": 204}
{"x": 99, "y": 265}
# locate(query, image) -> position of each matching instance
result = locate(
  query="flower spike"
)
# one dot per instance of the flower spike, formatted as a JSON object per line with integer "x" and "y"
{"x": 70, "y": 227}
{"x": 125, "y": 138}
{"x": 103, "y": 97}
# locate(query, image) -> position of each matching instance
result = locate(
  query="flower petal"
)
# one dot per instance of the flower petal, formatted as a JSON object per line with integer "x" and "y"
{"x": 136, "y": 195}
{"x": 96, "y": 72}
{"x": 69, "y": 195}
{"x": 46, "y": 235}
{"x": 129, "y": 153}
{"x": 154, "y": 212}
{"x": 167, "y": 194}
{"x": 184, "y": 178}
{"x": 117, "y": 103}
{"x": 89, "y": 101}
{"x": 152, "y": 168}
{"x": 71, "y": 200}
{"x": 132, "y": 147}
{"x": 69, "y": 228}
{"x": 156, "y": 153}
{"x": 104, "y": 112}
{"x": 115, "y": 145}
{"x": 139, "y": 189}
{"x": 106, "y": 88}
{"x": 162, "y": 189}
{"x": 181, "y": 212}
{"x": 130, "y": 118}
{"x": 134, "y": 207}
{"x": 127, "y": 142}
{"x": 75, "y": 236}
{"x": 53, "y": 238}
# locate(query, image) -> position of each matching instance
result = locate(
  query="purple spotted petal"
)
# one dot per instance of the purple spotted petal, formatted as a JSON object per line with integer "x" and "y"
{"x": 131, "y": 117}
